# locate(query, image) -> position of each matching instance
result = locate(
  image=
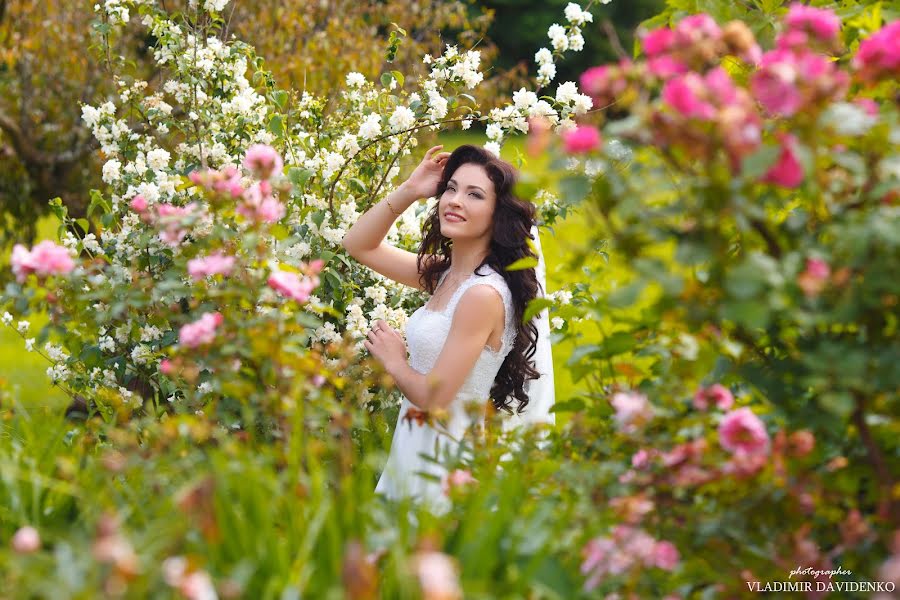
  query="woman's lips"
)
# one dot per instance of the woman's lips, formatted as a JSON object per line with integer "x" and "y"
{"x": 454, "y": 218}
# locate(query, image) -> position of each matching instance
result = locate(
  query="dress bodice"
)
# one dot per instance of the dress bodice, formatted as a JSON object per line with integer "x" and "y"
{"x": 427, "y": 330}
{"x": 426, "y": 333}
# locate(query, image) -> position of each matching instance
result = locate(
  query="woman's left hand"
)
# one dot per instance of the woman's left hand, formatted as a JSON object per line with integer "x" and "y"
{"x": 386, "y": 344}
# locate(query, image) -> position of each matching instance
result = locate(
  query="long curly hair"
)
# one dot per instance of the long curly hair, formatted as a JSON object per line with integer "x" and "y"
{"x": 512, "y": 222}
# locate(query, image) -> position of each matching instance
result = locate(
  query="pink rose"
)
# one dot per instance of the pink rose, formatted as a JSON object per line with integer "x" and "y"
{"x": 165, "y": 366}
{"x": 456, "y": 479}
{"x": 260, "y": 205}
{"x": 264, "y": 160}
{"x": 138, "y": 204}
{"x": 665, "y": 555}
{"x": 632, "y": 410}
{"x": 214, "y": 264}
{"x": 718, "y": 394}
{"x": 821, "y": 22}
{"x": 26, "y": 540}
{"x": 169, "y": 218}
{"x": 868, "y": 105}
{"x": 658, "y": 41}
{"x": 814, "y": 278}
{"x": 787, "y": 170}
{"x": 694, "y": 28}
{"x": 290, "y": 285}
{"x": 665, "y": 67}
{"x": 582, "y": 139}
{"x": 45, "y": 259}
{"x": 775, "y": 83}
{"x": 640, "y": 459}
{"x": 596, "y": 558}
{"x": 879, "y": 55}
{"x": 226, "y": 180}
{"x": 742, "y": 432}
{"x": 595, "y": 80}
{"x": 685, "y": 94}
{"x": 200, "y": 332}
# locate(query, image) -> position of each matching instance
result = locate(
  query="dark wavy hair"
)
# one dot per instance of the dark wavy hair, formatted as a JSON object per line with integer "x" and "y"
{"x": 512, "y": 222}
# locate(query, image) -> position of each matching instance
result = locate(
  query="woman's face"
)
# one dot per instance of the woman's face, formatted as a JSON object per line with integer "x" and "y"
{"x": 469, "y": 194}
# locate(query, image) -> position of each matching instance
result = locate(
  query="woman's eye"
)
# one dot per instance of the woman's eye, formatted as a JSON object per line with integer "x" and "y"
{"x": 476, "y": 195}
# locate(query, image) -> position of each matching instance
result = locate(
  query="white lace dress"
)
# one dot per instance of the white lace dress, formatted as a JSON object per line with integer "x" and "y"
{"x": 426, "y": 332}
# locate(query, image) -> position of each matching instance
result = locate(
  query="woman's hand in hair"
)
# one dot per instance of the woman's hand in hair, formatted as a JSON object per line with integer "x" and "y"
{"x": 424, "y": 179}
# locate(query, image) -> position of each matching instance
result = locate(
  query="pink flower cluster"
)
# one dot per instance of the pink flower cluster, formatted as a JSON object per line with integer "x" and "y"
{"x": 627, "y": 548}
{"x": 696, "y": 42}
{"x": 170, "y": 219}
{"x": 701, "y": 102}
{"x": 814, "y": 277}
{"x": 742, "y": 432}
{"x": 227, "y": 180}
{"x": 260, "y": 205}
{"x": 458, "y": 478}
{"x": 581, "y": 140}
{"x": 44, "y": 259}
{"x": 292, "y": 286}
{"x": 632, "y": 410}
{"x": 787, "y": 170}
{"x": 878, "y": 56}
{"x": 606, "y": 83}
{"x": 792, "y": 80}
{"x": 716, "y": 394}
{"x": 805, "y": 25}
{"x": 200, "y": 332}
{"x": 263, "y": 160}
{"x": 214, "y": 264}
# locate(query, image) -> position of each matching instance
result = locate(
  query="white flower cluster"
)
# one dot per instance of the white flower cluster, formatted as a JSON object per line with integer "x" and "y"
{"x": 562, "y": 39}
{"x": 454, "y": 67}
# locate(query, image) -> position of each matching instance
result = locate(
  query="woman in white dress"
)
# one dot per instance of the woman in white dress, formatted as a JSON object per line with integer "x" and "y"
{"x": 468, "y": 343}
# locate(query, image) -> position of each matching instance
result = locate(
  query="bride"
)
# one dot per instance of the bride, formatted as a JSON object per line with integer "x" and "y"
{"x": 468, "y": 342}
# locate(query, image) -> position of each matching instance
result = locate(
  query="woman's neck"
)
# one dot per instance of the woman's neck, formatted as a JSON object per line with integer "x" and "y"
{"x": 465, "y": 258}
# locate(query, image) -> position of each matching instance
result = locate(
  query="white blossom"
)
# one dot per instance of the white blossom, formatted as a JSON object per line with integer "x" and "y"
{"x": 402, "y": 118}
{"x": 371, "y": 127}
{"x": 355, "y": 79}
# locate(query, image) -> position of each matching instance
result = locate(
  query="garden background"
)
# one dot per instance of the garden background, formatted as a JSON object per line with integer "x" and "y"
{"x": 717, "y": 185}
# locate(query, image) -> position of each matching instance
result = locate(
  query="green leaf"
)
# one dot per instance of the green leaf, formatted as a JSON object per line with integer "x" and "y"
{"x": 299, "y": 176}
{"x": 536, "y": 306}
{"x": 357, "y": 185}
{"x": 759, "y": 162}
{"x": 386, "y": 79}
{"x": 618, "y": 343}
{"x": 276, "y": 125}
{"x": 570, "y": 405}
{"x": 526, "y": 262}
{"x": 280, "y": 97}
{"x": 574, "y": 188}
{"x": 84, "y": 224}
{"x": 399, "y": 77}
{"x": 839, "y": 404}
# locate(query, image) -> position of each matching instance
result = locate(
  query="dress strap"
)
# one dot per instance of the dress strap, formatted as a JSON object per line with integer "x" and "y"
{"x": 493, "y": 279}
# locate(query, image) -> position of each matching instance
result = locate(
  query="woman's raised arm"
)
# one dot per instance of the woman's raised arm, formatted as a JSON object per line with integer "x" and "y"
{"x": 364, "y": 241}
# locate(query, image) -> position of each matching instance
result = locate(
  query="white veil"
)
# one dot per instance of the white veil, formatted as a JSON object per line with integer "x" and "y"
{"x": 541, "y": 392}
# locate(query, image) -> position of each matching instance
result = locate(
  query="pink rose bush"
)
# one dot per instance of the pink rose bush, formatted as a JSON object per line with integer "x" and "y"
{"x": 44, "y": 260}
{"x": 200, "y": 332}
{"x": 214, "y": 264}
{"x": 626, "y": 549}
